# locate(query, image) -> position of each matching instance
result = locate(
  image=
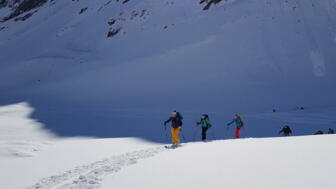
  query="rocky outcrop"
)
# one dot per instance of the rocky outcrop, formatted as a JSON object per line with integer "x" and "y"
{"x": 20, "y": 6}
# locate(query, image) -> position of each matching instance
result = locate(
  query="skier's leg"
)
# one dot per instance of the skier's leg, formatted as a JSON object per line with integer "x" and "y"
{"x": 203, "y": 134}
{"x": 237, "y": 132}
{"x": 173, "y": 135}
{"x": 177, "y": 135}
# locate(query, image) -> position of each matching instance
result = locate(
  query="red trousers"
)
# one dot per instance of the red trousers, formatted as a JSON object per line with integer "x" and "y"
{"x": 238, "y": 132}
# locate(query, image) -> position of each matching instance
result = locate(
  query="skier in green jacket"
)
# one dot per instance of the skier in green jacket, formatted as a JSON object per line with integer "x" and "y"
{"x": 205, "y": 124}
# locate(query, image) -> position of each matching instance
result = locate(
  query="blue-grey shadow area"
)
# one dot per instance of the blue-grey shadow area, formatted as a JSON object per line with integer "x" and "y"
{"x": 104, "y": 122}
{"x": 148, "y": 124}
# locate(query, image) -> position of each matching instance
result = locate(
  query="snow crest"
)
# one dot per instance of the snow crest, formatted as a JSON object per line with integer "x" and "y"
{"x": 21, "y": 135}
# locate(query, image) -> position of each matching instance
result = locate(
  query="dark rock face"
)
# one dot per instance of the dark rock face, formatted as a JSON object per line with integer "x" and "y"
{"x": 25, "y": 17}
{"x": 3, "y": 3}
{"x": 209, "y": 3}
{"x": 83, "y": 10}
{"x": 9, "y": 3}
{"x": 113, "y": 32}
{"x": 21, "y": 6}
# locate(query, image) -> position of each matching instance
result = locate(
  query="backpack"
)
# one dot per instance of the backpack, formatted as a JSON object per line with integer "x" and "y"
{"x": 179, "y": 119}
{"x": 208, "y": 120}
{"x": 209, "y": 125}
{"x": 241, "y": 120}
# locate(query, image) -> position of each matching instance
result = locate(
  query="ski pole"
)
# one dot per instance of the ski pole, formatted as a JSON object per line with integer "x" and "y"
{"x": 194, "y": 135}
{"x": 227, "y": 132}
{"x": 195, "y": 132}
{"x": 184, "y": 139}
{"x": 213, "y": 135}
{"x": 182, "y": 135}
{"x": 165, "y": 130}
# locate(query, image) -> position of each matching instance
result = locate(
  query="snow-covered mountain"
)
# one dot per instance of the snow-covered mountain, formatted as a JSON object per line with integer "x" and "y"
{"x": 116, "y": 68}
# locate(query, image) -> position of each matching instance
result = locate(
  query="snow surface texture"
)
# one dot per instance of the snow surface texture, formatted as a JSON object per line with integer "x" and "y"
{"x": 293, "y": 162}
{"x": 112, "y": 68}
{"x": 277, "y": 163}
{"x": 90, "y": 176}
{"x": 74, "y": 162}
{"x": 20, "y": 135}
{"x": 241, "y": 56}
{"x": 40, "y": 160}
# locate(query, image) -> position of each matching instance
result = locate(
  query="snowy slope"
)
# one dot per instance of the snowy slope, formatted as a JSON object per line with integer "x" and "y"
{"x": 114, "y": 69}
{"x": 295, "y": 162}
{"x": 20, "y": 135}
{"x": 29, "y": 152}
{"x": 244, "y": 47}
{"x": 66, "y": 159}
{"x": 34, "y": 156}
{"x": 238, "y": 56}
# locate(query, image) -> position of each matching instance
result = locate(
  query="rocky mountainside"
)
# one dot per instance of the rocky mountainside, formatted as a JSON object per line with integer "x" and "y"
{"x": 20, "y": 7}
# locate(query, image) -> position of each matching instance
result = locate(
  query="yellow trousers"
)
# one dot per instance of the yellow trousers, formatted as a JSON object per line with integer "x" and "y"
{"x": 175, "y": 135}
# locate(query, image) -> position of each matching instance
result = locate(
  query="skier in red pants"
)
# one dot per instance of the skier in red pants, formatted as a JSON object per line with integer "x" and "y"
{"x": 239, "y": 124}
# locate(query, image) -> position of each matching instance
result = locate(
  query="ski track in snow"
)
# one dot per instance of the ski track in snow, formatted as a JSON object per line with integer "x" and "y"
{"x": 90, "y": 176}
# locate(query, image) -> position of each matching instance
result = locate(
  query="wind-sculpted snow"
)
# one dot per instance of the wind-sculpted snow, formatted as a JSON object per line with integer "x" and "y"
{"x": 21, "y": 136}
{"x": 90, "y": 176}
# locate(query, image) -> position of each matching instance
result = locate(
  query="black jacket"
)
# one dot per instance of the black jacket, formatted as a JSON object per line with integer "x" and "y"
{"x": 286, "y": 130}
{"x": 176, "y": 121}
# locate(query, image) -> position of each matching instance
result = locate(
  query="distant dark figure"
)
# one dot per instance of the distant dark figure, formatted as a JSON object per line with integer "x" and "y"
{"x": 300, "y": 108}
{"x": 237, "y": 119}
{"x": 319, "y": 132}
{"x": 205, "y": 124}
{"x": 331, "y": 131}
{"x": 286, "y": 130}
{"x": 274, "y": 110}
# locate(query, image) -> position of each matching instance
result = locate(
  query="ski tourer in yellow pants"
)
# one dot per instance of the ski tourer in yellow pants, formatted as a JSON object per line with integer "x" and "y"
{"x": 176, "y": 120}
{"x": 175, "y": 135}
